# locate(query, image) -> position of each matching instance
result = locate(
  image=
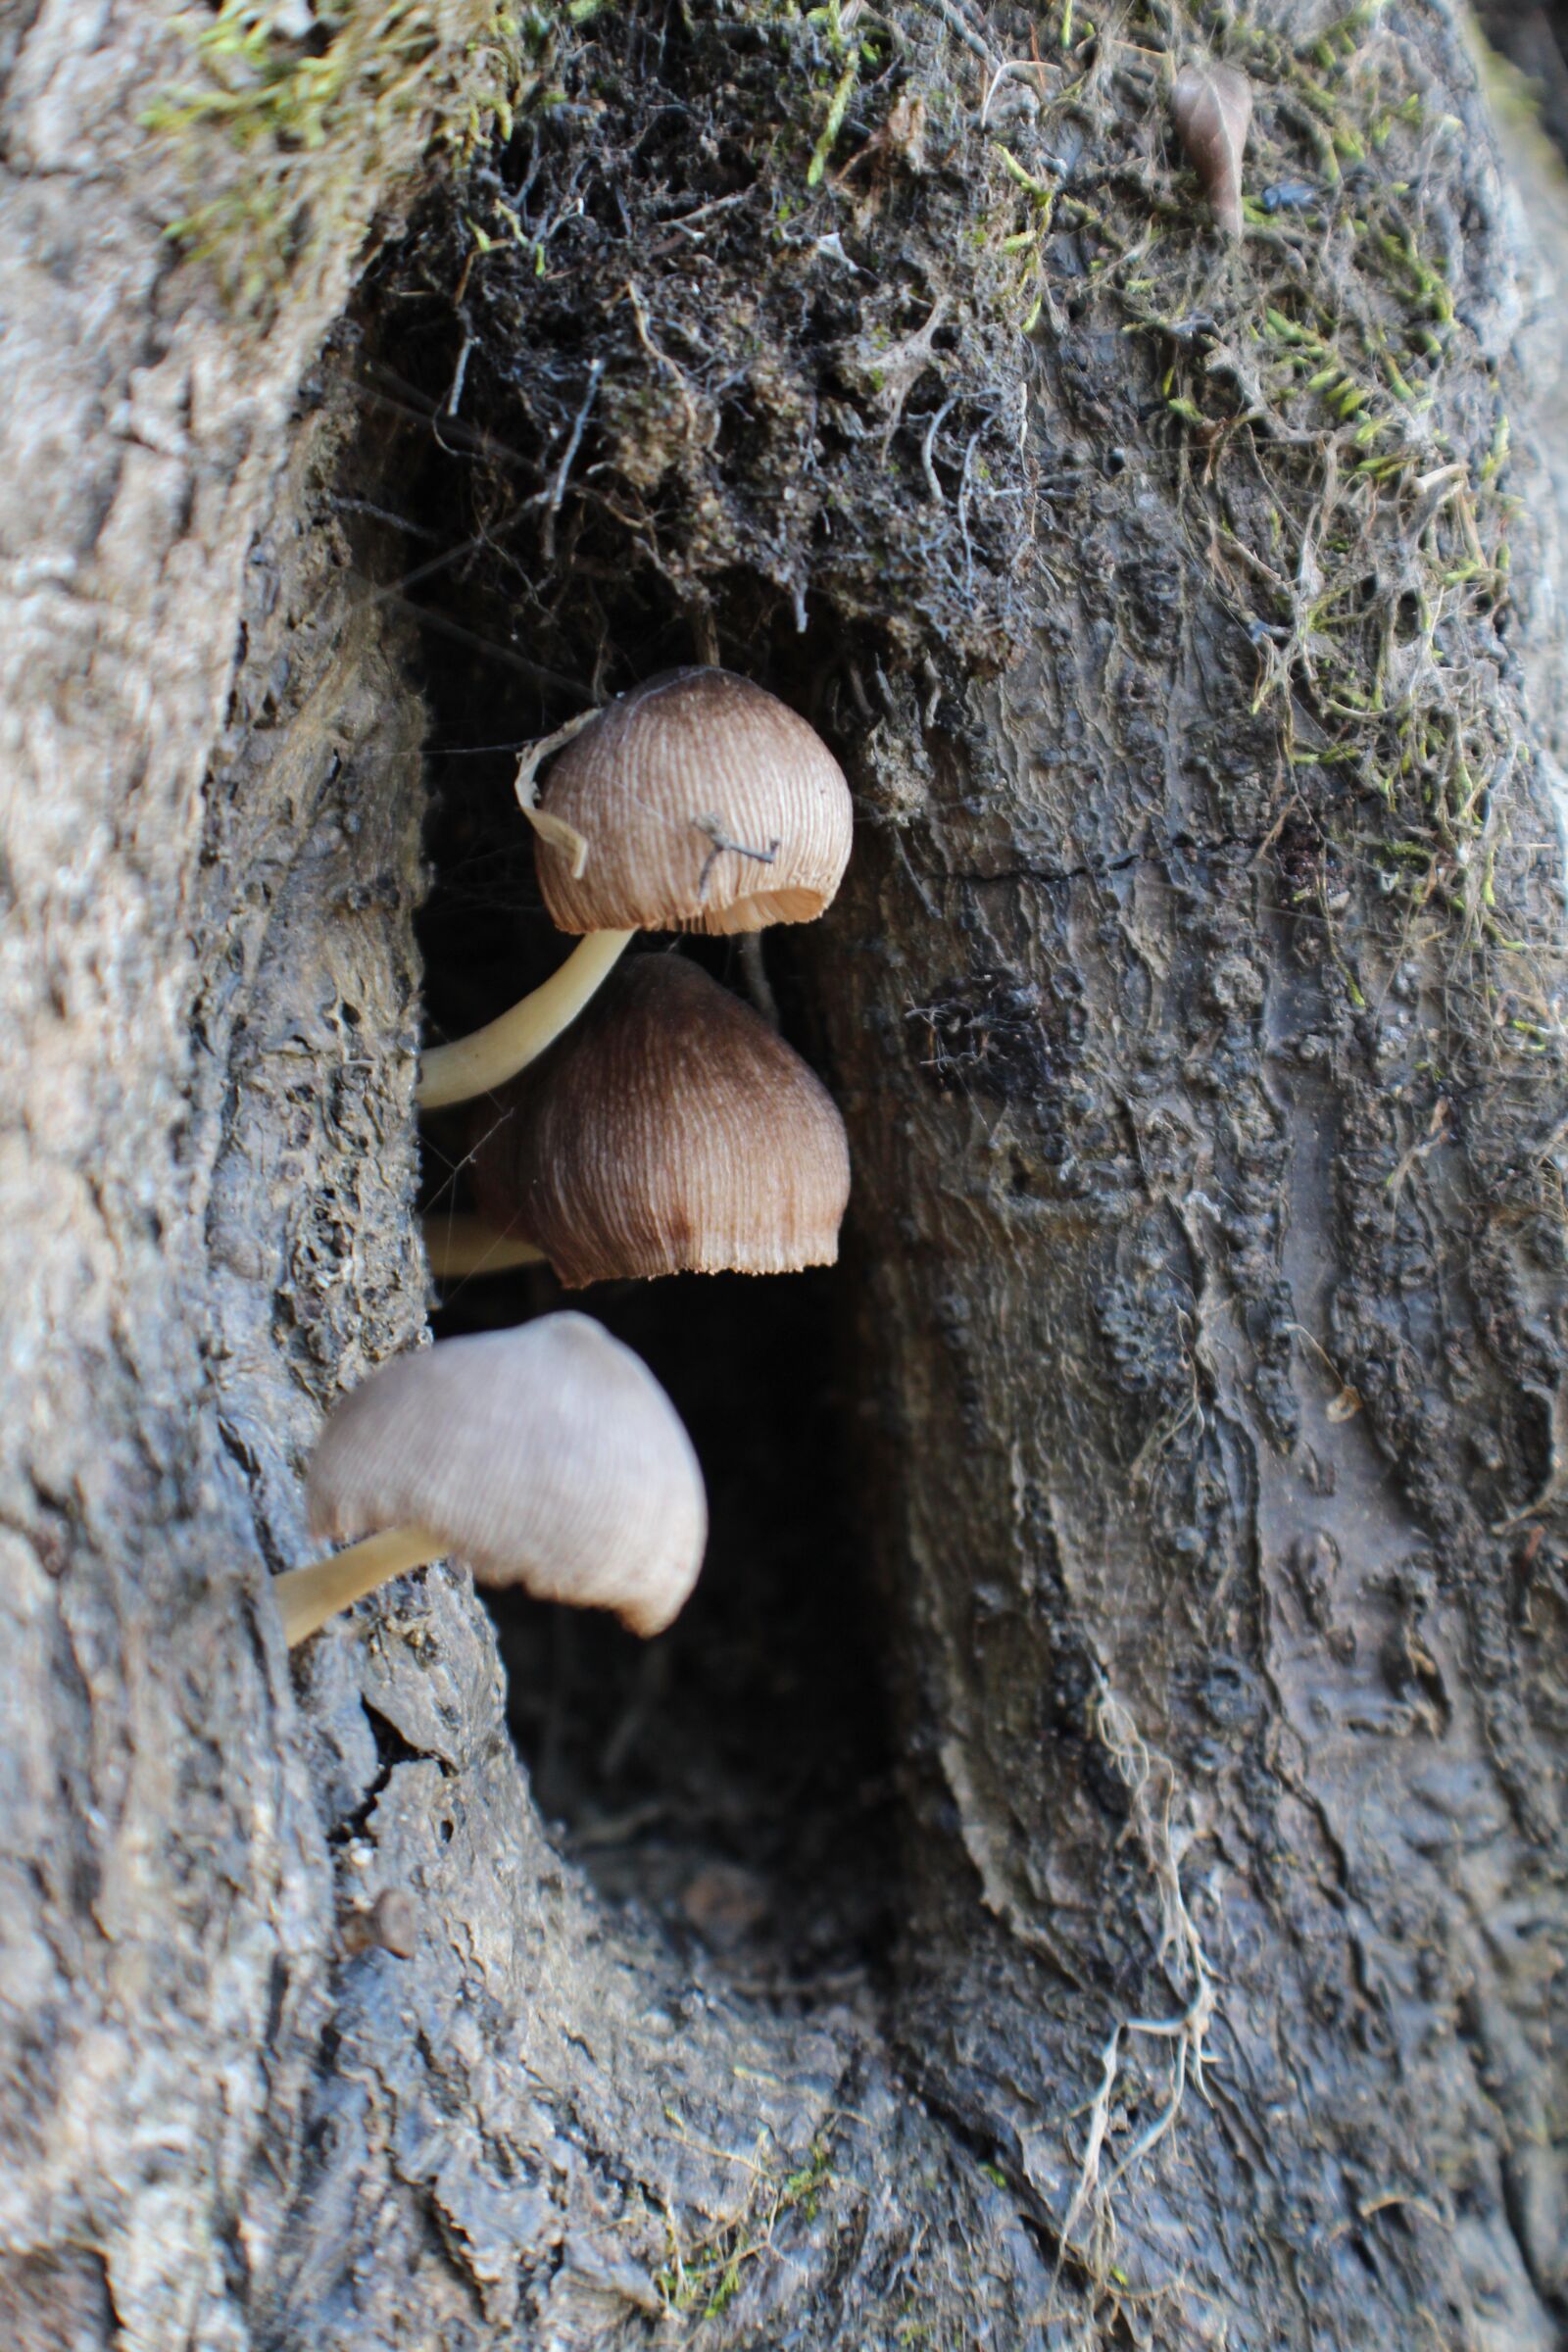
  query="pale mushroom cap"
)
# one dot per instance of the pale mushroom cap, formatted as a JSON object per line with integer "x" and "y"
{"x": 669, "y": 1130}
{"x": 668, "y": 774}
{"x": 547, "y": 1456}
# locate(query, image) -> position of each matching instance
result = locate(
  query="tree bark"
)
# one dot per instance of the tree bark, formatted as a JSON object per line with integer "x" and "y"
{"x": 1194, "y": 1009}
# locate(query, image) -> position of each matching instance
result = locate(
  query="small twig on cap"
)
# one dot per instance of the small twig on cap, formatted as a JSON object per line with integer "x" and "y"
{"x": 715, "y": 830}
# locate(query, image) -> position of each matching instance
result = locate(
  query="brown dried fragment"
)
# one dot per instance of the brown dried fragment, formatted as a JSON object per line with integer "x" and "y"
{"x": 1212, "y": 106}
{"x": 390, "y": 1925}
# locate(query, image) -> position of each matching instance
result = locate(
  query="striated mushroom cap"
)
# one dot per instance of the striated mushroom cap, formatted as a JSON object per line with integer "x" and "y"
{"x": 705, "y": 804}
{"x": 669, "y": 1130}
{"x": 547, "y": 1456}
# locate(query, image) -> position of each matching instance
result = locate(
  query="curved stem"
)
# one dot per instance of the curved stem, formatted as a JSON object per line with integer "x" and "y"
{"x": 308, "y": 1597}
{"x": 473, "y": 1065}
{"x": 457, "y": 1244}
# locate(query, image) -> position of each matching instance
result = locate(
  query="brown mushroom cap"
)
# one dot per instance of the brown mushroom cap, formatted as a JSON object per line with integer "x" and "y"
{"x": 707, "y": 804}
{"x": 547, "y": 1456}
{"x": 669, "y": 1130}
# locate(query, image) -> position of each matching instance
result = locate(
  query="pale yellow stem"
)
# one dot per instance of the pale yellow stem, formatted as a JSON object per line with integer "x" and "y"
{"x": 475, "y": 1065}
{"x": 308, "y": 1597}
{"x": 457, "y": 1244}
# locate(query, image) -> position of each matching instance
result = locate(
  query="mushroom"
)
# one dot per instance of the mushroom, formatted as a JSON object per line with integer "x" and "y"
{"x": 705, "y": 803}
{"x": 1212, "y": 106}
{"x": 487, "y": 1057}
{"x": 697, "y": 802}
{"x": 669, "y": 1130}
{"x": 548, "y": 1457}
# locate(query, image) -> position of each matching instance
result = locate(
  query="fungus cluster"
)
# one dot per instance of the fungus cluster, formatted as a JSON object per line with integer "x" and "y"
{"x": 642, "y": 1120}
{"x": 696, "y": 803}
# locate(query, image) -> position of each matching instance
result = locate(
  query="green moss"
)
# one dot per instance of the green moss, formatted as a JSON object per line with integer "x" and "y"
{"x": 287, "y": 144}
{"x": 838, "y": 108}
{"x": 702, "y": 2280}
{"x": 1381, "y": 542}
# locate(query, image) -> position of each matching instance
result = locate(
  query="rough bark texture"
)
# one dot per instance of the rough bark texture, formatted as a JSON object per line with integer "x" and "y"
{"x": 1206, "y": 1265}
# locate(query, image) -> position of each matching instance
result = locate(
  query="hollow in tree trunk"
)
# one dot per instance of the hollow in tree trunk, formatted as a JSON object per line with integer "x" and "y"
{"x": 1183, "y": 612}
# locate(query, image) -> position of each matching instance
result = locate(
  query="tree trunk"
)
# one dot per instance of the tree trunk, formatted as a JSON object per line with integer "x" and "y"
{"x": 1186, "y": 617}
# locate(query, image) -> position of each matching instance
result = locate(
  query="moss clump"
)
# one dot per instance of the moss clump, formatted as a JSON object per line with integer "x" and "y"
{"x": 291, "y": 120}
{"x": 703, "y": 2280}
{"x": 1344, "y": 451}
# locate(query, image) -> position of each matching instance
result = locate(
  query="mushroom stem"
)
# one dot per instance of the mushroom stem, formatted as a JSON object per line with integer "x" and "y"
{"x": 475, "y": 1065}
{"x": 457, "y": 1244}
{"x": 308, "y": 1597}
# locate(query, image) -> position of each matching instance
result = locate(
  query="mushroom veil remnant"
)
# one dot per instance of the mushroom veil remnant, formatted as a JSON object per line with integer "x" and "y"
{"x": 669, "y": 1130}
{"x": 548, "y": 1457}
{"x": 698, "y": 802}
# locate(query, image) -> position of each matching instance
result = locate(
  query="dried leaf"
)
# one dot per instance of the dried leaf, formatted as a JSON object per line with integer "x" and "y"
{"x": 1212, "y": 105}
